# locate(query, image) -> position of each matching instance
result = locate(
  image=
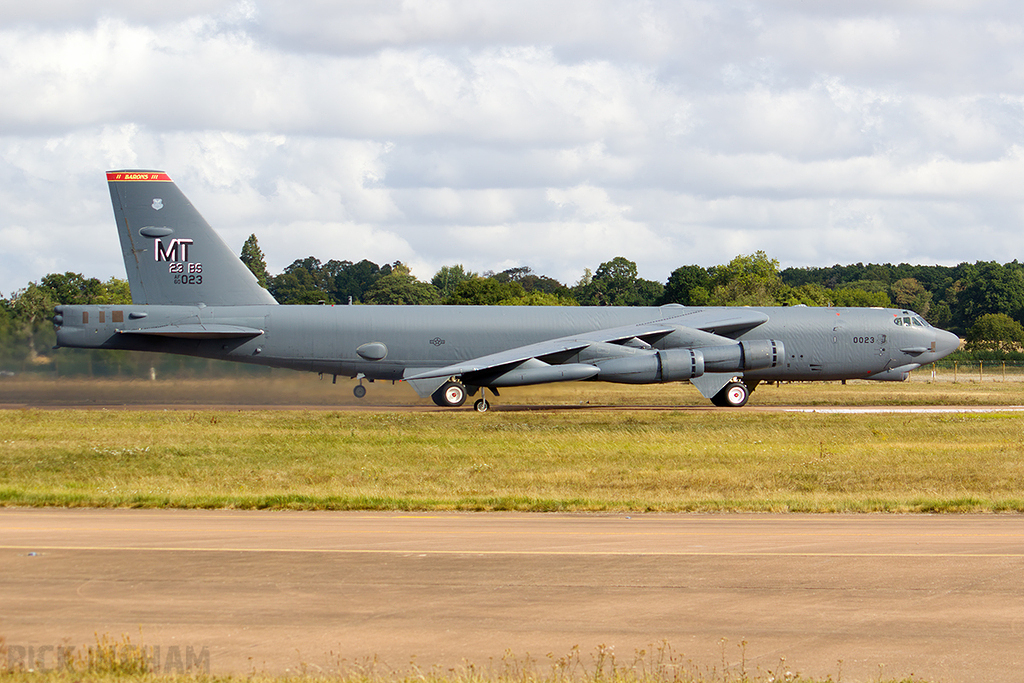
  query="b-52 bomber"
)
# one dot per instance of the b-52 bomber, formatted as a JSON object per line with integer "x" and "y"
{"x": 191, "y": 295}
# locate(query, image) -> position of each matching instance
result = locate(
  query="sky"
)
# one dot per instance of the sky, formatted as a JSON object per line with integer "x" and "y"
{"x": 554, "y": 134}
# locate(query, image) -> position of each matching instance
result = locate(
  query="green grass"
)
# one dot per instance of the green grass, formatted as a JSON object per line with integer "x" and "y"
{"x": 532, "y": 460}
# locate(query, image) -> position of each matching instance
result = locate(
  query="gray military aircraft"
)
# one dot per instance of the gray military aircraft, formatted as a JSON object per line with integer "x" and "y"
{"x": 191, "y": 295}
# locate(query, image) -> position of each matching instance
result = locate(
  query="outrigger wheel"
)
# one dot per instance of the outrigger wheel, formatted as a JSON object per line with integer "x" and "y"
{"x": 452, "y": 394}
{"x": 733, "y": 395}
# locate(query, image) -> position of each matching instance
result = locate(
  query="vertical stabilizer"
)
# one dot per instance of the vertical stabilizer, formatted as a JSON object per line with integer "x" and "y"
{"x": 171, "y": 253}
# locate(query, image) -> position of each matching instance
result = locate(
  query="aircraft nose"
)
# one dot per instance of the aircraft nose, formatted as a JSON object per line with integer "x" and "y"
{"x": 945, "y": 343}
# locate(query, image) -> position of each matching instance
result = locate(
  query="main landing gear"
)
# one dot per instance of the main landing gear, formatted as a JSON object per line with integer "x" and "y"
{"x": 735, "y": 394}
{"x": 453, "y": 394}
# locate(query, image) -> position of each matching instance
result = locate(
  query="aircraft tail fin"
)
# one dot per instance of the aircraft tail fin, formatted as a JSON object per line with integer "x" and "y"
{"x": 171, "y": 253}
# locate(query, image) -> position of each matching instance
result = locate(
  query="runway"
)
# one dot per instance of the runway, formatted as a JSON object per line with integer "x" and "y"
{"x": 939, "y": 597}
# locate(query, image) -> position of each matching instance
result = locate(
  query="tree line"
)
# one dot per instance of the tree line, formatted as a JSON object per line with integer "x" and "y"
{"x": 982, "y": 302}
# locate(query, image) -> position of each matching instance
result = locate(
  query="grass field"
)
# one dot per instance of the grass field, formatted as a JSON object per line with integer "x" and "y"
{"x": 527, "y": 459}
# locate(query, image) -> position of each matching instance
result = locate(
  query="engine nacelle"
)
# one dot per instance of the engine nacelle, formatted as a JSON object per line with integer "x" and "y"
{"x": 674, "y": 365}
{"x": 759, "y": 354}
{"x": 762, "y": 354}
{"x": 668, "y": 365}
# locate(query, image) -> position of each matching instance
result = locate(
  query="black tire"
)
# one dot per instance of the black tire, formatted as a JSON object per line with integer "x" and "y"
{"x": 732, "y": 395}
{"x": 450, "y": 395}
{"x": 359, "y": 390}
{"x": 481, "y": 405}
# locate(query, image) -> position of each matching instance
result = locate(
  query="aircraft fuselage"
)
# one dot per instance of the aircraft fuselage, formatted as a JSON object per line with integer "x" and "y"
{"x": 387, "y": 342}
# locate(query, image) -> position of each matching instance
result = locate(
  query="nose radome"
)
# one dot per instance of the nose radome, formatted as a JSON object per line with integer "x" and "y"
{"x": 946, "y": 342}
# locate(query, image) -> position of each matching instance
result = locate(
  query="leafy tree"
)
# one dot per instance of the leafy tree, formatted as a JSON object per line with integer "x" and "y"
{"x": 399, "y": 287}
{"x": 748, "y": 281}
{"x": 853, "y": 297}
{"x": 988, "y": 287}
{"x": 684, "y": 280}
{"x": 33, "y": 309}
{"x": 806, "y": 295}
{"x": 615, "y": 283}
{"x": 346, "y": 279}
{"x": 298, "y": 287}
{"x": 517, "y": 274}
{"x": 995, "y": 332}
{"x": 71, "y": 288}
{"x": 544, "y": 284}
{"x": 538, "y": 299}
{"x": 648, "y": 292}
{"x": 252, "y": 257}
{"x": 302, "y": 282}
{"x": 700, "y": 296}
{"x": 866, "y": 286}
{"x": 909, "y": 293}
{"x": 448, "y": 278}
{"x": 114, "y": 291}
{"x": 484, "y": 291}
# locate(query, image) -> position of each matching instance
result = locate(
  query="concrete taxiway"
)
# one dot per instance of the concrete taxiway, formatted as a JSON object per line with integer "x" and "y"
{"x": 939, "y": 597}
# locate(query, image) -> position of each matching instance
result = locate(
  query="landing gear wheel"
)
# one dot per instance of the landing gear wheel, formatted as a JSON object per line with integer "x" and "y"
{"x": 481, "y": 405}
{"x": 359, "y": 390}
{"x": 450, "y": 395}
{"x": 733, "y": 395}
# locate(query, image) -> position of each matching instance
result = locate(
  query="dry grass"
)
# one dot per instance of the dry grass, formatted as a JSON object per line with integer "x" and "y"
{"x": 112, "y": 660}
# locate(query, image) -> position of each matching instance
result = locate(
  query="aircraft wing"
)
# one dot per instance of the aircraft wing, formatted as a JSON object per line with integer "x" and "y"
{"x": 725, "y": 322}
{"x": 545, "y": 349}
{"x": 197, "y": 331}
{"x": 716, "y": 322}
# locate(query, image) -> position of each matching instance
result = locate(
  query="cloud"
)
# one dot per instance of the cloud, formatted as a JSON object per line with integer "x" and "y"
{"x": 550, "y": 134}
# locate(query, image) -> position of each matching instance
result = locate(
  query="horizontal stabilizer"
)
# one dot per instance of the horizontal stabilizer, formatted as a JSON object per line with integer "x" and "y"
{"x": 197, "y": 331}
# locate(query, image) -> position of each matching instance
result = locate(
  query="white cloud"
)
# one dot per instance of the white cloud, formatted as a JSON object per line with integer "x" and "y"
{"x": 551, "y": 134}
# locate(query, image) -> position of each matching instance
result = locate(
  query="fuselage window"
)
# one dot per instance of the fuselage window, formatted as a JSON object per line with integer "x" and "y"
{"x": 917, "y": 322}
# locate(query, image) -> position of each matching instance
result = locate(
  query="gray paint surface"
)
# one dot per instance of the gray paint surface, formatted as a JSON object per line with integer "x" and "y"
{"x": 193, "y": 296}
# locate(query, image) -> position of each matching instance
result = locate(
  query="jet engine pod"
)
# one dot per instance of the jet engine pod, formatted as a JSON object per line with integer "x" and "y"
{"x": 760, "y": 354}
{"x": 668, "y": 365}
{"x": 746, "y": 355}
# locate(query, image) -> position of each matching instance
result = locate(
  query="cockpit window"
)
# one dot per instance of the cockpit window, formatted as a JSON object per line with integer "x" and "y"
{"x": 910, "y": 321}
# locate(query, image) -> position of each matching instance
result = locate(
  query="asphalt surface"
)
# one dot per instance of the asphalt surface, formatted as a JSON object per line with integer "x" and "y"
{"x": 857, "y": 597}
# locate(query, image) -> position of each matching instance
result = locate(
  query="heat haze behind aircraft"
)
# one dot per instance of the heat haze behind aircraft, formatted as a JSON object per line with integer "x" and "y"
{"x": 192, "y": 295}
